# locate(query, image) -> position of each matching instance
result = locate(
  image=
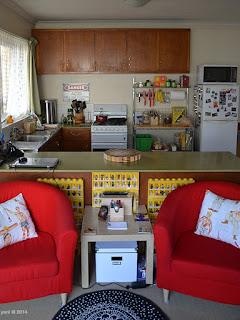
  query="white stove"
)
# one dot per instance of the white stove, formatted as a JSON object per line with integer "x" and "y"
{"x": 111, "y": 134}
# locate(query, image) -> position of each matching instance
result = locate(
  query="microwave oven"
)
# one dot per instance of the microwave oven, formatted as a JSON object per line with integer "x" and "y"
{"x": 214, "y": 74}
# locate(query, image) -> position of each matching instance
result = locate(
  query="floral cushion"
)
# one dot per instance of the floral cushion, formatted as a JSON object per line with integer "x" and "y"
{"x": 15, "y": 222}
{"x": 219, "y": 219}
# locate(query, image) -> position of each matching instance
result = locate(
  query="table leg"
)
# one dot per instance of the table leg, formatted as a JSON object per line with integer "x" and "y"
{"x": 84, "y": 262}
{"x": 149, "y": 260}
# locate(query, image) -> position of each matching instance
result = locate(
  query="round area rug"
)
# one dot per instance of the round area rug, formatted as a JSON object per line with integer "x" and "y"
{"x": 110, "y": 305}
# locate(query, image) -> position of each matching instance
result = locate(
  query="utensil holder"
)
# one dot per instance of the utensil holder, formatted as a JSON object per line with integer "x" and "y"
{"x": 79, "y": 118}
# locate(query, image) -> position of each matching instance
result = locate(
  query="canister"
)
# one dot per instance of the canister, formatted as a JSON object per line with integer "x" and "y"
{"x": 49, "y": 111}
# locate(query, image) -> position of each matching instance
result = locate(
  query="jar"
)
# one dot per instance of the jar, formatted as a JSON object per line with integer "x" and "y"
{"x": 168, "y": 118}
{"x": 174, "y": 85}
{"x": 146, "y": 118}
{"x": 140, "y": 84}
{"x": 148, "y": 83}
{"x": 168, "y": 83}
{"x": 161, "y": 119}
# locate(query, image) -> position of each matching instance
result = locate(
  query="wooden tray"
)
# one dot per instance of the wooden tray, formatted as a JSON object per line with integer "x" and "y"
{"x": 122, "y": 155}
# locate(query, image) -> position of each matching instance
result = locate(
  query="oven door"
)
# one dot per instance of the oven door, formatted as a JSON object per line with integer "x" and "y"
{"x": 109, "y": 137}
{"x": 101, "y": 146}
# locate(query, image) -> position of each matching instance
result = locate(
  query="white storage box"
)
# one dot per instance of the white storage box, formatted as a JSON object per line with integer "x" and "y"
{"x": 116, "y": 261}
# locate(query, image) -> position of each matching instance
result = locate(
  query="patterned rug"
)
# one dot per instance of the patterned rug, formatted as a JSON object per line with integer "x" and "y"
{"x": 110, "y": 305}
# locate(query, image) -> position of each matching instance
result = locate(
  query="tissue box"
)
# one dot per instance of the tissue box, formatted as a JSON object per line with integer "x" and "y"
{"x": 177, "y": 114}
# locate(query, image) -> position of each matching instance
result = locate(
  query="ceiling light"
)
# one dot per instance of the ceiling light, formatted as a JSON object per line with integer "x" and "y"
{"x": 136, "y": 3}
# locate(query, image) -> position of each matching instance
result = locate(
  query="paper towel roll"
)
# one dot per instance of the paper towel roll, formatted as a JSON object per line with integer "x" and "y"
{"x": 177, "y": 95}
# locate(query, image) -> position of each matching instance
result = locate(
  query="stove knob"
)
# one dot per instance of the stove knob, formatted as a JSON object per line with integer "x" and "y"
{"x": 117, "y": 129}
{"x": 111, "y": 129}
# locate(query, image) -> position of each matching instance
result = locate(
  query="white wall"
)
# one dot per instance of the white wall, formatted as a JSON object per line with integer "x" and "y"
{"x": 14, "y": 23}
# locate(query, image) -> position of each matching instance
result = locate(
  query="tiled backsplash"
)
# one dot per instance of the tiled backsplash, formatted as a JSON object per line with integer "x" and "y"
{"x": 63, "y": 109}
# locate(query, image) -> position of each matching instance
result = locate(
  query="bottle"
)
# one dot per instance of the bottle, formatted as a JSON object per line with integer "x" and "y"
{"x": 168, "y": 83}
{"x": 62, "y": 119}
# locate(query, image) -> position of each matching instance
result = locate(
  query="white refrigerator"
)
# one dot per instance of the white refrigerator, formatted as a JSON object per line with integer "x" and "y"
{"x": 216, "y": 119}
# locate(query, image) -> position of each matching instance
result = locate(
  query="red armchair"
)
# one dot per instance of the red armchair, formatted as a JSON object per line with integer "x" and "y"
{"x": 193, "y": 264}
{"x": 44, "y": 265}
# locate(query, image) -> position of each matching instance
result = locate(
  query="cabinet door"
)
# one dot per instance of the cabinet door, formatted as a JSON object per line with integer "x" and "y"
{"x": 79, "y": 51}
{"x": 174, "y": 49}
{"x": 53, "y": 144}
{"x": 77, "y": 139}
{"x": 49, "y": 51}
{"x": 110, "y": 51}
{"x": 142, "y": 50}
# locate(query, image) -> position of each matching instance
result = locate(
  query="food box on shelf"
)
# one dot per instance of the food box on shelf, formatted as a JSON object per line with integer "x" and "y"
{"x": 177, "y": 114}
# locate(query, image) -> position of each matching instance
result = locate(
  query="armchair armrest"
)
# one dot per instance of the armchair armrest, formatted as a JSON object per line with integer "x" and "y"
{"x": 178, "y": 213}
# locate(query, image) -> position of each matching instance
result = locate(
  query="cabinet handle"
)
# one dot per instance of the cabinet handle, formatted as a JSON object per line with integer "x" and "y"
{"x": 160, "y": 61}
{"x": 67, "y": 62}
{"x": 129, "y": 59}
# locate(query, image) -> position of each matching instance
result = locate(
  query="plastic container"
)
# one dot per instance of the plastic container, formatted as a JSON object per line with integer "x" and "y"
{"x": 143, "y": 142}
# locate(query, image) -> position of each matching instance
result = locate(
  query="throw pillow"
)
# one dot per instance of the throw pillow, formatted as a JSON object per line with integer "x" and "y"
{"x": 219, "y": 219}
{"x": 15, "y": 222}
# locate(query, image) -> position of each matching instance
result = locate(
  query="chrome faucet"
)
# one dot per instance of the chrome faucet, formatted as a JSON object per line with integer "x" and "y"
{"x": 14, "y": 133}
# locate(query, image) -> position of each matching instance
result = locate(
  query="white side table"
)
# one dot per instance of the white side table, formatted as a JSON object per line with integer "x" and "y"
{"x": 90, "y": 220}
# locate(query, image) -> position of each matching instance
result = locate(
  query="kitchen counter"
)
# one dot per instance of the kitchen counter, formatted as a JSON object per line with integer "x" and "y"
{"x": 196, "y": 165}
{"x": 149, "y": 162}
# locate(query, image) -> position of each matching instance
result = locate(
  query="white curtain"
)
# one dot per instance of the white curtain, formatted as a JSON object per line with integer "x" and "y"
{"x": 33, "y": 85}
{"x": 14, "y": 88}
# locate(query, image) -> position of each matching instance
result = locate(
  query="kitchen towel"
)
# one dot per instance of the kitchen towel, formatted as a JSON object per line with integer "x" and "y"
{"x": 177, "y": 95}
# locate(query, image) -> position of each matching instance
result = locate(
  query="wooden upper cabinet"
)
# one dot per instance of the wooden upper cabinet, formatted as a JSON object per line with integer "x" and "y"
{"x": 113, "y": 51}
{"x": 49, "y": 51}
{"x": 79, "y": 51}
{"x": 110, "y": 51}
{"x": 174, "y": 50}
{"x": 142, "y": 50}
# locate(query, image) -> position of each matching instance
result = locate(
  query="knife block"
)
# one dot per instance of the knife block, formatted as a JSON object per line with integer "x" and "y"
{"x": 79, "y": 118}
{"x": 154, "y": 121}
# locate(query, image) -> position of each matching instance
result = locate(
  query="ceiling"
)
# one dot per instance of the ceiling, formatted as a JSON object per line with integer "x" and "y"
{"x": 220, "y": 11}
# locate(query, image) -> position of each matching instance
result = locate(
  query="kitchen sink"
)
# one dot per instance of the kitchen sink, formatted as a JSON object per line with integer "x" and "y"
{"x": 30, "y": 142}
{"x": 32, "y": 138}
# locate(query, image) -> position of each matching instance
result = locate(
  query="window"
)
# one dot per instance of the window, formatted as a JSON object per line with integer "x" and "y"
{"x": 14, "y": 92}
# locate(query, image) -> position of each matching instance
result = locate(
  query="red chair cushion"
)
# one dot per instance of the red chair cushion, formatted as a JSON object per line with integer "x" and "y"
{"x": 29, "y": 259}
{"x": 200, "y": 257}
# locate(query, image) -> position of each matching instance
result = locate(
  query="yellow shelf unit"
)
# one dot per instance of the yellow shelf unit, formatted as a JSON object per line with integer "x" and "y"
{"x": 113, "y": 181}
{"x": 74, "y": 189}
{"x": 158, "y": 189}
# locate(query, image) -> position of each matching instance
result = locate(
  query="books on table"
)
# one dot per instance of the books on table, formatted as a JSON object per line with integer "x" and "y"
{"x": 90, "y": 231}
{"x": 141, "y": 217}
